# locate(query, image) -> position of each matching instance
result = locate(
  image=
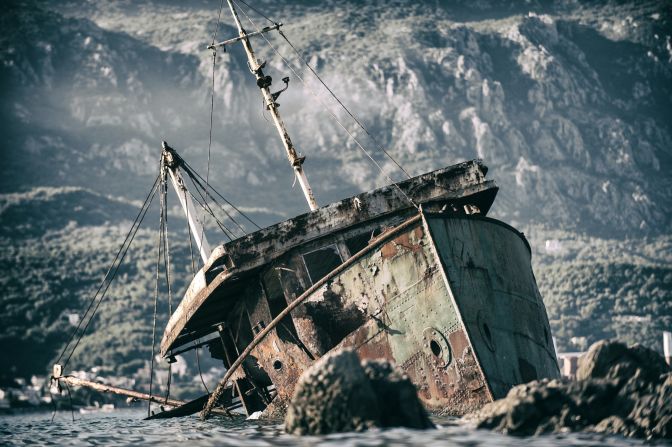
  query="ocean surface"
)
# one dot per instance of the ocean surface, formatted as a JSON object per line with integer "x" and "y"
{"x": 127, "y": 427}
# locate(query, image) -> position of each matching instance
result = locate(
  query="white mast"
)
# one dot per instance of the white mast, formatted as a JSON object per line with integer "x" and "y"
{"x": 171, "y": 163}
{"x": 264, "y": 82}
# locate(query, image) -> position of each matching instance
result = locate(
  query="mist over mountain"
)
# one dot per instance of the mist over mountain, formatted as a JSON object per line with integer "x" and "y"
{"x": 568, "y": 103}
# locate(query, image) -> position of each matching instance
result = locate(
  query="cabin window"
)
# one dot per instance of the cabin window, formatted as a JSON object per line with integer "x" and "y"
{"x": 275, "y": 281}
{"x": 274, "y": 293}
{"x": 321, "y": 261}
{"x": 356, "y": 243}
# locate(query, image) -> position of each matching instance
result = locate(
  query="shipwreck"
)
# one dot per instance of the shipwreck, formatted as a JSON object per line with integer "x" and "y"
{"x": 414, "y": 272}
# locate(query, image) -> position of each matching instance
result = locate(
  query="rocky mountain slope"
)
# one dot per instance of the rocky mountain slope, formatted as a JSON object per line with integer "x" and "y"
{"x": 568, "y": 103}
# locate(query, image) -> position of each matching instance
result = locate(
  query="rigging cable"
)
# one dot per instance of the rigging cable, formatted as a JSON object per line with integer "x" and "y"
{"x": 333, "y": 115}
{"x": 72, "y": 408}
{"x": 192, "y": 171}
{"x": 205, "y": 190}
{"x": 258, "y": 12}
{"x": 156, "y": 285}
{"x": 212, "y": 95}
{"x": 219, "y": 223}
{"x": 105, "y": 284}
{"x": 193, "y": 275}
{"x": 204, "y": 204}
{"x": 198, "y": 363}
{"x": 343, "y": 105}
{"x": 212, "y": 89}
{"x": 191, "y": 245}
{"x": 166, "y": 261}
{"x": 79, "y": 324}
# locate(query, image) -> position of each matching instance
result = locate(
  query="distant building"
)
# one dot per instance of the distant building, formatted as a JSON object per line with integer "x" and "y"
{"x": 568, "y": 363}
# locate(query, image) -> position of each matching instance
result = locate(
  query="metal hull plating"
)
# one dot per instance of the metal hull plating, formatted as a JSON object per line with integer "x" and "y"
{"x": 450, "y": 300}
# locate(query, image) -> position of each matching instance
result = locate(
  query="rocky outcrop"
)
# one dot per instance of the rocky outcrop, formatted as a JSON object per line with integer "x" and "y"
{"x": 340, "y": 394}
{"x": 619, "y": 390}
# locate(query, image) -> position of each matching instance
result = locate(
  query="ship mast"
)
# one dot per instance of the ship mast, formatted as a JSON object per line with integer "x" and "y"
{"x": 264, "y": 82}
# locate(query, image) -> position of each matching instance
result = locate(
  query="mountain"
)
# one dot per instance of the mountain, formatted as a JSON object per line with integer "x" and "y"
{"x": 568, "y": 103}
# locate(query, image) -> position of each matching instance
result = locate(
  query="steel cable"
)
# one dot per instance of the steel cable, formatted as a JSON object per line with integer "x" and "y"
{"x": 105, "y": 285}
{"x": 192, "y": 171}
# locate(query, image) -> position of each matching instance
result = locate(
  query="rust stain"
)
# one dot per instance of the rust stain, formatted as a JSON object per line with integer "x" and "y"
{"x": 390, "y": 249}
{"x": 458, "y": 342}
{"x": 283, "y": 362}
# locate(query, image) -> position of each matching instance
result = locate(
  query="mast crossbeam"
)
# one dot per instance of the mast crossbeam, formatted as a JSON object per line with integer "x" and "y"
{"x": 224, "y": 43}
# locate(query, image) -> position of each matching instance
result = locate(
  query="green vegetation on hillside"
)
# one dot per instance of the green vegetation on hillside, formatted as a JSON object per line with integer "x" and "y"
{"x": 48, "y": 283}
{"x": 587, "y": 302}
{"x": 604, "y": 288}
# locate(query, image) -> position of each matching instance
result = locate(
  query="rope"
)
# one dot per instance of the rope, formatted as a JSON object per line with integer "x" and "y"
{"x": 156, "y": 286}
{"x": 212, "y": 110}
{"x": 166, "y": 261}
{"x": 166, "y": 248}
{"x": 198, "y": 362}
{"x": 169, "y": 382}
{"x": 53, "y": 404}
{"x": 205, "y": 190}
{"x": 333, "y": 115}
{"x": 212, "y": 95}
{"x": 190, "y": 170}
{"x": 72, "y": 408}
{"x": 258, "y": 12}
{"x": 204, "y": 204}
{"x": 79, "y": 324}
{"x": 191, "y": 245}
{"x": 219, "y": 16}
{"x": 193, "y": 274}
{"x": 106, "y": 285}
{"x": 343, "y": 105}
{"x": 201, "y": 190}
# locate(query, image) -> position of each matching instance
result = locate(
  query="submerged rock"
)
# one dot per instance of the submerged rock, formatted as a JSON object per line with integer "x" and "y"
{"x": 619, "y": 390}
{"x": 339, "y": 394}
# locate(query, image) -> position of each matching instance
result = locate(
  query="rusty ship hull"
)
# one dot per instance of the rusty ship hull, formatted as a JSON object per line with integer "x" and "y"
{"x": 443, "y": 291}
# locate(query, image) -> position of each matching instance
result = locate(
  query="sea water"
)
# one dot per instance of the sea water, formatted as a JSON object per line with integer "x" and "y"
{"x": 127, "y": 427}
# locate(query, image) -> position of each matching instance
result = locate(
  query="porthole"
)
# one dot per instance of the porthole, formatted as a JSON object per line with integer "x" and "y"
{"x": 436, "y": 347}
{"x": 485, "y": 331}
{"x": 277, "y": 365}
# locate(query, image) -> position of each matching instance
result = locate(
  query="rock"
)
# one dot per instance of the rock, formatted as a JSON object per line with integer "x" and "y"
{"x": 619, "y": 390}
{"x": 604, "y": 356}
{"x": 333, "y": 395}
{"x": 338, "y": 394}
{"x": 396, "y": 395}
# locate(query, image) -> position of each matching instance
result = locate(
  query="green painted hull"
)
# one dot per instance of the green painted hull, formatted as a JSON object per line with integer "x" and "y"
{"x": 453, "y": 301}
